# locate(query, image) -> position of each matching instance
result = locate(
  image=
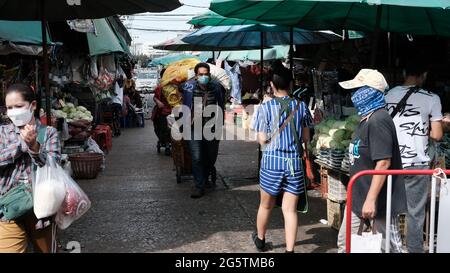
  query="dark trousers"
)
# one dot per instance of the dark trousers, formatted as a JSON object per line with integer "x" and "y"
{"x": 204, "y": 155}
{"x": 162, "y": 130}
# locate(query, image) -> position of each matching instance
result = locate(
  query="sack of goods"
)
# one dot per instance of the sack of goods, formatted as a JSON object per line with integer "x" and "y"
{"x": 48, "y": 190}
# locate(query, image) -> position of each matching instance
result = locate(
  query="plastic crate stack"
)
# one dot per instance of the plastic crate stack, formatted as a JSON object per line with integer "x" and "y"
{"x": 346, "y": 163}
{"x": 336, "y": 158}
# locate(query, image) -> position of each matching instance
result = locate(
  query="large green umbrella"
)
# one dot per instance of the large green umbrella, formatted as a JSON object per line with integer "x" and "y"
{"x": 210, "y": 18}
{"x": 404, "y": 16}
{"x": 422, "y": 17}
{"x": 61, "y": 10}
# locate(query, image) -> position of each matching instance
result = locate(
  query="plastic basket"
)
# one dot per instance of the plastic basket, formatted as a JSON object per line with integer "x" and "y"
{"x": 336, "y": 190}
{"x": 86, "y": 165}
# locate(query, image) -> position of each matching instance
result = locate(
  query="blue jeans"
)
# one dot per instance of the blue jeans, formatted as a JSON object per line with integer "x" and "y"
{"x": 204, "y": 155}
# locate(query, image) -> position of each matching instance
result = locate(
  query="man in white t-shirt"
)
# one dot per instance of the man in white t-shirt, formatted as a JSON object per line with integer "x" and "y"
{"x": 416, "y": 122}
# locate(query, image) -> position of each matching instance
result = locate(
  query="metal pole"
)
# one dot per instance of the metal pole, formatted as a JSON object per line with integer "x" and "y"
{"x": 213, "y": 56}
{"x": 291, "y": 50}
{"x": 38, "y": 90}
{"x": 376, "y": 38}
{"x": 433, "y": 214}
{"x": 46, "y": 64}
{"x": 388, "y": 214}
{"x": 261, "y": 76}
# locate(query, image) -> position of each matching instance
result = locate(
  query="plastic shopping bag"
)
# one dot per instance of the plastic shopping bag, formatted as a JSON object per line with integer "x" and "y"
{"x": 366, "y": 242}
{"x": 75, "y": 204}
{"x": 94, "y": 148}
{"x": 48, "y": 189}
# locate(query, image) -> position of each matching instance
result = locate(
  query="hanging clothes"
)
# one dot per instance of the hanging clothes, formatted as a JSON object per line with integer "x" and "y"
{"x": 234, "y": 73}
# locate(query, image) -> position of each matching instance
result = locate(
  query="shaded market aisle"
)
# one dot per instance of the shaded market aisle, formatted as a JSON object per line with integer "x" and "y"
{"x": 138, "y": 207}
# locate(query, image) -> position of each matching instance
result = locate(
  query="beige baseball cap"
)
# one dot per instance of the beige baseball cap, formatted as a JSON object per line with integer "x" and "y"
{"x": 369, "y": 77}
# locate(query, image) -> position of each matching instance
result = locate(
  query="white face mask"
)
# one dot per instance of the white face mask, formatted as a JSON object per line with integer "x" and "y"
{"x": 20, "y": 116}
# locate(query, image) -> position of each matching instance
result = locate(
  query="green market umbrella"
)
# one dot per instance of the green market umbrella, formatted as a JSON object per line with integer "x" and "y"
{"x": 210, "y": 18}
{"x": 403, "y": 16}
{"x": 421, "y": 17}
{"x": 61, "y": 10}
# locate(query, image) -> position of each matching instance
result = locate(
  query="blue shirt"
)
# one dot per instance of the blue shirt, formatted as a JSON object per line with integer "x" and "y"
{"x": 281, "y": 153}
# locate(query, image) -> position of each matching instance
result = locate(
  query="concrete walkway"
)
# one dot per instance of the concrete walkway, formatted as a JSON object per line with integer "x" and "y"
{"x": 137, "y": 206}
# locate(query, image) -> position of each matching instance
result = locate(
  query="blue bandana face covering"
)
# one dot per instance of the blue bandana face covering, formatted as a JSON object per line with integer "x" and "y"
{"x": 367, "y": 99}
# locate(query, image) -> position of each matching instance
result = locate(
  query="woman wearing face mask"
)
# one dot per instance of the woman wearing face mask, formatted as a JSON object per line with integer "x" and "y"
{"x": 25, "y": 144}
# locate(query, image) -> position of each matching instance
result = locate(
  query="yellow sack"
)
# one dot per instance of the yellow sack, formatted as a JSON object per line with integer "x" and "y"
{"x": 178, "y": 72}
{"x": 173, "y": 97}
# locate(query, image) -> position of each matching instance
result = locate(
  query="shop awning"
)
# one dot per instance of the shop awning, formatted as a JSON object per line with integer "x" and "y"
{"x": 105, "y": 41}
{"x": 22, "y": 32}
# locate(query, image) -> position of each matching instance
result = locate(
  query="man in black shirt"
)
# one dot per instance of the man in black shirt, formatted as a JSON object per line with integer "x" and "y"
{"x": 374, "y": 147}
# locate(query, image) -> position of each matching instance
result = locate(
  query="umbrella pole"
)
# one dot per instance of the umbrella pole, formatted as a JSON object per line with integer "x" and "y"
{"x": 373, "y": 60}
{"x": 213, "y": 56}
{"x": 46, "y": 64}
{"x": 261, "y": 76}
{"x": 291, "y": 50}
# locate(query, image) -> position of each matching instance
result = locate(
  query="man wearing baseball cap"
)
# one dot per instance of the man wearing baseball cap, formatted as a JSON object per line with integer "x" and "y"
{"x": 373, "y": 147}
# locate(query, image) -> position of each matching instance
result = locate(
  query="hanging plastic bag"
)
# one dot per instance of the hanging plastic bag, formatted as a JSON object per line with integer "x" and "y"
{"x": 48, "y": 189}
{"x": 366, "y": 242}
{"x": 94, "y": 148}
{"x": 94, "y": 68}
{"x": 75, "y": 204}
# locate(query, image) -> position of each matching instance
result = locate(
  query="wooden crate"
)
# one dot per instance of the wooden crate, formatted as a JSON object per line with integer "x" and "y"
{"x": 335, "y": 213}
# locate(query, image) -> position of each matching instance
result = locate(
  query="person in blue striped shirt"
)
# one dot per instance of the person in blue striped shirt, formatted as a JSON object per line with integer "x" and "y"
{"x": 282, "y": 124}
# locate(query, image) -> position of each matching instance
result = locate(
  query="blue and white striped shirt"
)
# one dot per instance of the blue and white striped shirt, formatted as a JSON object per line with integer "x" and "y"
{"x": 281, "y": 153}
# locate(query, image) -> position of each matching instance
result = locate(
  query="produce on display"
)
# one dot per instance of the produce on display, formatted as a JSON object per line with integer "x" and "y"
{"x": 72, "y": 113}
{"x": 334, "y": 134}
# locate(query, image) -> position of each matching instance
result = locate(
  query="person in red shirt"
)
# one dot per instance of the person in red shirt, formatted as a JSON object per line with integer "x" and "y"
{"x": 159, "y": 118}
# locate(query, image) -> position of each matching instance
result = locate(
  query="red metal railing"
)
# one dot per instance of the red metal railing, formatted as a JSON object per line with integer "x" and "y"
{"x": 374, "y": 172}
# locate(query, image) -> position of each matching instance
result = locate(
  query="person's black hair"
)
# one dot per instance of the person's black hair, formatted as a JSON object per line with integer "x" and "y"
{"x": 281, "y": 78}
{"x": 24, "y": 90}
{"x": 416, "y": 67}
{"x": 201, "y": 65}
{"x": 162, "y": 73}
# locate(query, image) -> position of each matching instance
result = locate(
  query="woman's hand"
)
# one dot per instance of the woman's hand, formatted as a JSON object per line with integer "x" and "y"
{"x": 369, "y": 209}
{"x": 29, "y": 135}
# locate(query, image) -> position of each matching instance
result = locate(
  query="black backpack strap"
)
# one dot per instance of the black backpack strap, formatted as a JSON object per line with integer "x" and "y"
{"x": 402, "y": 104}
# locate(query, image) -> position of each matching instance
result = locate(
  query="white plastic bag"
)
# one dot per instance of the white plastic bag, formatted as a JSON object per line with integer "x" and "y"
{"x": 48, "y": 189}
{"x": 366, "y": 242}
{"x": 94, "y": 148}
{"x": 75, "y": 204}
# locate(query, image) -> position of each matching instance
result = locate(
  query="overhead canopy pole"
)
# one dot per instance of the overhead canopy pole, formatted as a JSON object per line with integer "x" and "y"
{"x": 261, "y": 76}
{"x": 373, "y": 60}
{"x": 291, "y": 50}
{"x": 46, "y": 64}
